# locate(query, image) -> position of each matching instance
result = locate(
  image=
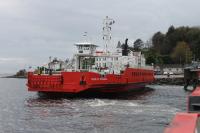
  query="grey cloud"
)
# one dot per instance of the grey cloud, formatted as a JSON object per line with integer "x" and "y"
{"x": 37, "y": 29}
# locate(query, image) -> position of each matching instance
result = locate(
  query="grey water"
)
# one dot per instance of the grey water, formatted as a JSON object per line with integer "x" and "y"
{"x": 147, "y": 112}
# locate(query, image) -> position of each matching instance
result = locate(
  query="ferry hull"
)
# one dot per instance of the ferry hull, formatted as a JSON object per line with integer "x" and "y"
{"x": 75, "y": 82}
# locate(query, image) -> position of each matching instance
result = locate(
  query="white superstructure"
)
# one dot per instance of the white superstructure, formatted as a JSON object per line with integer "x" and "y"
{"x": 88, "y": 58}
{"x": 106, "y": 62}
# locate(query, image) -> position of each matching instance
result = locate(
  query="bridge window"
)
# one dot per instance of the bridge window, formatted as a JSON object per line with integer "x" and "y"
{"x": 104, "y": 64}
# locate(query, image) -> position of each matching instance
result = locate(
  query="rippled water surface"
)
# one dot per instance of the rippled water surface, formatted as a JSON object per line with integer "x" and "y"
{"x": 147, "y": 112}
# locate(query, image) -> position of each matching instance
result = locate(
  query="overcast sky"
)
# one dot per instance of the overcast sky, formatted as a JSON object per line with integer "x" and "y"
{"x": 33, "y": 30}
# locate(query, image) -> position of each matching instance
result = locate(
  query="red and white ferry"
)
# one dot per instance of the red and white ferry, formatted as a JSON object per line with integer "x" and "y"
{"x": 94, "y": 70}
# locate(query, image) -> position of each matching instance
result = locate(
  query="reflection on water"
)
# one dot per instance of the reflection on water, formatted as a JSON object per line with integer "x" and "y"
{"x": 144, "y": 112}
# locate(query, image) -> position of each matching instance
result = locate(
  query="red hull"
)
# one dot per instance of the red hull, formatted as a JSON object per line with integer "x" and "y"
{"x": 75, "y": 82}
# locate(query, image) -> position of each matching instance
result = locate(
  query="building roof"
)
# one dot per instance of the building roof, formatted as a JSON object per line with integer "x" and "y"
{"x": 85, "y": 44}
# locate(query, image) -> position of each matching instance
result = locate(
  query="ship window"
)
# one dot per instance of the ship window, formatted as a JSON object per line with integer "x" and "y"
{"x": 80, "y": 47}
{"x": 86, "y": 48}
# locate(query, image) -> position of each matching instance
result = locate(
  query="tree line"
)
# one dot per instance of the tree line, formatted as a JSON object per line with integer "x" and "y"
{"x": 178, "y": 45}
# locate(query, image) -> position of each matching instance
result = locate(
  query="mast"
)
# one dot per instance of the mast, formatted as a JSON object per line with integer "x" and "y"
{"x": 85, "y": 37}
{"x": 107, "y": 22}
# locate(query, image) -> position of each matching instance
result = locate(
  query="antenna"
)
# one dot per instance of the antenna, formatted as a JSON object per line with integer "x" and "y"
{"x": 107, "y": 22}
{"x": 85, "y": 35}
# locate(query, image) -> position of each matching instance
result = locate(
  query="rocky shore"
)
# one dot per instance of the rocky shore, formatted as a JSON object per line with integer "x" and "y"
{"x": 15, "y": 76}
{"x": 169, "y": 80}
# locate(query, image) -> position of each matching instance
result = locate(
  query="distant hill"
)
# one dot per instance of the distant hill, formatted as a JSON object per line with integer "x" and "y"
{"x": 20, "y": 74}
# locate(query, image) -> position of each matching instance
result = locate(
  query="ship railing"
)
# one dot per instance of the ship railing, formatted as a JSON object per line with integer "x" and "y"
{"x": 146, "y": 67}
{"x": 81, "y": 70}
{"x": 76, "y": 70}
{"x": 104, "y": 71}
{"x": 48, "y": 73}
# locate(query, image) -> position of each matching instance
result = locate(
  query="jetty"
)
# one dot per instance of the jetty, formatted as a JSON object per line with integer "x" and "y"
{"x": 169, "y": 79}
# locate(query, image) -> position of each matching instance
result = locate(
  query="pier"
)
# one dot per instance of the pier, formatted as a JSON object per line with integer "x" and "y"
{"x": 169, "y": 79}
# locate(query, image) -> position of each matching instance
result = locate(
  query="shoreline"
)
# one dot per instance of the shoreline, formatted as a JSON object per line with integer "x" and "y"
{"x": 14, "y": 76}
{"x": 159, "y": 79}
{"x": 171, "y": 80}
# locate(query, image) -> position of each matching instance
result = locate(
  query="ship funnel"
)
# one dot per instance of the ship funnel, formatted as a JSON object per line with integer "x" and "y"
{"x": 125, "y": 48}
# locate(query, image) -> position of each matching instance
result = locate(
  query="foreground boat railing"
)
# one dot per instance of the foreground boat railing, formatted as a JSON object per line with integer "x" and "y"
{"x": 183, "y": 123}
{"x": 188, "y": 122}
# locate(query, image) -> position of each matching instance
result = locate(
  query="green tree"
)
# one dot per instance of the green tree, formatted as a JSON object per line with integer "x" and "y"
{"x": 170, "y": 30}
{"x": 182, "y": 53}
{"x": 158, "y": 40}
{"x": 138, "y": 44}
{"x": 152, "y": 57}
{"x": 21, "y": 73}
{"x": 164, "y": 44}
